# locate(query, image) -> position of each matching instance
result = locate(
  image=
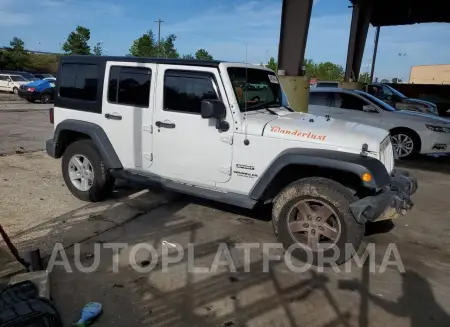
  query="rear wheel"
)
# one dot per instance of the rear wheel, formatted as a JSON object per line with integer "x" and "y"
{"x": 46, "y": 98}
{"x": 313, "y": 217}
{"x": 84, "y": 172}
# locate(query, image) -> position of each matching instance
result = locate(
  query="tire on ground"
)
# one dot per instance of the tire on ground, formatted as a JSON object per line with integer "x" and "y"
{"x": 338, "y": 197}
{"x": 103, "y": 183}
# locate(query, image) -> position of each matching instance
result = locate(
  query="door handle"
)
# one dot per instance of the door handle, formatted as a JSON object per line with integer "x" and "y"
{"x": 115, "y": 117}
{"x": 164, "y": 125}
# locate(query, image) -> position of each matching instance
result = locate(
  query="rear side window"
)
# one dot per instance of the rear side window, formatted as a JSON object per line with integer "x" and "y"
{"x": 349, "y": 101}
{"x": 184, "y": 91}
{"x": 79, "y": 81}
{"x": 129, "y": 86}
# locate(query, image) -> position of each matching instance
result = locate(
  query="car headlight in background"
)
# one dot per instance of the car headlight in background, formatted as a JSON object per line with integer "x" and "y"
{"x": 439, "y": 129}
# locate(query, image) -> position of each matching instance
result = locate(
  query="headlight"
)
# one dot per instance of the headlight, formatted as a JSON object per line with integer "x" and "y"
{"x": 439, "y": 129}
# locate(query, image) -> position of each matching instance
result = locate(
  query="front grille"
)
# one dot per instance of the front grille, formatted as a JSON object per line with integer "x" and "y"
{"x": 387, "y": 154}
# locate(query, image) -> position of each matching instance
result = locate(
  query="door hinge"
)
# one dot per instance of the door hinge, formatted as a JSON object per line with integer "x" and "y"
{"x": 148, "y": 128}
{"x": 148, "y": 156}
{"x": 227, "y": 139}
{"x": 226, "y": 170}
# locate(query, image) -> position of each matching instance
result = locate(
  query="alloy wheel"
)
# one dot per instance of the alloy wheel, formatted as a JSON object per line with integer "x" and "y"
{"x": 81, "y": 172}
{"x": 403, "y": 144}
{"x": 315, "y": 224}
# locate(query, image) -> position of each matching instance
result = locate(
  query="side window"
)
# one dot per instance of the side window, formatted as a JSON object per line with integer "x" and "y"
{"x": 79, "y": 81}
{"x": 184, "y": 91}
{"x": 349, "y": 101}
{"x": 3, "y": 78}
{"x": 129, "y": 86}
{"x": 319, "y": 98}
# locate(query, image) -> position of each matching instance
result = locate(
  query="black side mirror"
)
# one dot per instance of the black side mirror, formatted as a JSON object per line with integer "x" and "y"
{"x": 213, "y": 109}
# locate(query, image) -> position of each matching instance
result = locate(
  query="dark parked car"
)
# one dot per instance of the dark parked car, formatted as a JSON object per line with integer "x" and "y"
{"x": 399, "y": 101}
{"x": 41, "y": 90}
{"x": 43, "y": 76}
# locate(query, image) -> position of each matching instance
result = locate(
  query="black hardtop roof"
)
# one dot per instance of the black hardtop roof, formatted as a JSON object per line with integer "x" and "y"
{"x": 99, "y": 59}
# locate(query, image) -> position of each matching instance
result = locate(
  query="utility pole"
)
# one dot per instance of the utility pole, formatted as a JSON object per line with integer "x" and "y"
{"x": 159, "y": 21}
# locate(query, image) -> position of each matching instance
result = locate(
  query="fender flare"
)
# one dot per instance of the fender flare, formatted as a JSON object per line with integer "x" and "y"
{"x": 348, "y": 162}
{"x": 95, "y": 133}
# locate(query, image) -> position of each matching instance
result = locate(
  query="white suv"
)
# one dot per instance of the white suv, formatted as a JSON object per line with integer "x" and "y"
{"x": 11, "y": 83}
{"x": 221, "y": 131}
{"x": 412, "y": 132}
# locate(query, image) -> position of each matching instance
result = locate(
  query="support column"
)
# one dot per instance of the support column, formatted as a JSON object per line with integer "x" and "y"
{"x": 357, "y": 41}
{"x": 375, "y": 51}
{"x": 295, "y": 18}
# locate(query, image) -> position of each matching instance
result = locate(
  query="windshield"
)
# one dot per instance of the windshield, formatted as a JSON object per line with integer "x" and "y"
{"x": 397, "y": 93}
{"x": 28, "y": 76}
{"x": 256, "y": 86}
{"x": 18, "y": 78}
{"x": 383, "y": 105}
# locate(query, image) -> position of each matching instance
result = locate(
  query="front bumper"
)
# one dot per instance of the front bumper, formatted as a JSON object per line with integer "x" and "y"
{"x": 392, "y": 202}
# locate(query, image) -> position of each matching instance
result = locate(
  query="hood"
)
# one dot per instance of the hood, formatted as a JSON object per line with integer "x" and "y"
{"x": 422, "y": 116}
{"x": 315, "y": 129}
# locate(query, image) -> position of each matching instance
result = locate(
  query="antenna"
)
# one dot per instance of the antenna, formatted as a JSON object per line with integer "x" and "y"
{"x": 246, "y": 141}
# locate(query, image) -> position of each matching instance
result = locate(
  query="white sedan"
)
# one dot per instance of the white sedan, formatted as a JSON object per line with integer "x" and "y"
{"x": 412, "y": 132}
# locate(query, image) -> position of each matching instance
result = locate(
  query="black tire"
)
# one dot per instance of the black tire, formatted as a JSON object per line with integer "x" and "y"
{"x": 103, "y": 183}
{"x": 415, "y": 139}
{"x": 335, "y": 196}
{"x": 46, "y": 98}
{"x": 16, "y": 90}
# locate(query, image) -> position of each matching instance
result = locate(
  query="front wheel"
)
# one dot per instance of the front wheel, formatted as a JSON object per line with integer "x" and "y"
{"x": 312, "y": 218}
{"x": 85, "y": 173}
{"x": 16, "y": 90}
{"x": 405, "y": 144}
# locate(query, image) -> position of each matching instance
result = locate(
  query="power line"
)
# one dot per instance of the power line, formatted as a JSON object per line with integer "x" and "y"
{"x": 159, "y": 21}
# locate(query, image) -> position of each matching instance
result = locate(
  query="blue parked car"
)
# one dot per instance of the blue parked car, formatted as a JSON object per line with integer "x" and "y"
{"x": 42, "y": 90}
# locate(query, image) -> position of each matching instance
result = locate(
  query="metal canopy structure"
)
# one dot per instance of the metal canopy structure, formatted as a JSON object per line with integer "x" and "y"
{"x": 407, "y": 12}
{"x": 386, "y": 13}
{"x": 295, "y": 19}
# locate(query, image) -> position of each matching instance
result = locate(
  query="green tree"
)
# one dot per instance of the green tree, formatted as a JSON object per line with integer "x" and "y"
{"x": 327, "y": 71}
{"x": 98, "y": 49}
{"x": 272, "y": 64}
{"x": 168, "y": 49}
{"x": 188, "y": 57}
{"x": 364, "y": 78}
{"x": 310, "y": 67}
{"x": 202, "y": 54}
{"x": 396, "y": 80}
{"x": 145, "y": 46}
{"x": 77, "y": 42}
{"x": 15, "y": 56}
{"x": 384, "y": 80}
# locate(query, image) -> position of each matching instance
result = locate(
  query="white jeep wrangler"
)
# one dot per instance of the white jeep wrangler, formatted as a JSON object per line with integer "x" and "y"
{"x": 222, "y": 131}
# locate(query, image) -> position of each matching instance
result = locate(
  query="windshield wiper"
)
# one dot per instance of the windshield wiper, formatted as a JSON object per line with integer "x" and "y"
{"x": 263, "y": 105}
